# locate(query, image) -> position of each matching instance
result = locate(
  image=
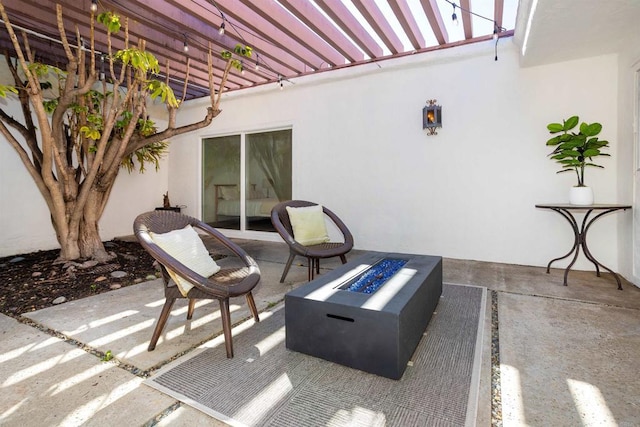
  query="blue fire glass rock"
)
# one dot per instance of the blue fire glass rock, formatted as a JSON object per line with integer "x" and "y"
{"x": 376, "y": 276}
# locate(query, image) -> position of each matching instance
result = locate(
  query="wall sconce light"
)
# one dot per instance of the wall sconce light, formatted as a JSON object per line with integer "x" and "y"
{"x": 432, "y": 117}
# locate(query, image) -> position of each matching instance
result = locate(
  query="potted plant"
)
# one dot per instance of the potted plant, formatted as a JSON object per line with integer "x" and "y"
{"x": 575, "y": 151}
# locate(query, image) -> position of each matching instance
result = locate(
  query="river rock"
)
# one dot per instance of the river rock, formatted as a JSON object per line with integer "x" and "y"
{"x": 118, "y": 274}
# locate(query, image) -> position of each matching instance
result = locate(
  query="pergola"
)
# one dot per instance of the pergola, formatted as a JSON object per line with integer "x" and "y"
{"x": 290, "y": 38}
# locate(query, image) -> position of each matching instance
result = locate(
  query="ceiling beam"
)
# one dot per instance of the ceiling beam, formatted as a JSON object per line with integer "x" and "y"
{"x": 408, "y": 23}
{"x": 312, "y": 18}
{"x": 498, "y": 11}
{"x": 372, "y": 14}
{"x": 465, "y": 6}
{"x": 169, "y": 29}
{"x": 279, "y": 62}
{"x": 339, "y": 13}
{"x": 43, "y": 17}
{"x": 435, "y": 20}
{"x": 254, "y": 23}
{"x": 280, "y": 17}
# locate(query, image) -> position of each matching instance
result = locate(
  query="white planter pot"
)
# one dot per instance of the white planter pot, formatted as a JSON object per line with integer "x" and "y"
{"x": 581, "y": 196}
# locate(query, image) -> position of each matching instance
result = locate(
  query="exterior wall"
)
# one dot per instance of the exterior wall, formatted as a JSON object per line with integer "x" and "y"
{"x": 629, "y": 161}
{"x": 468, "y": 192}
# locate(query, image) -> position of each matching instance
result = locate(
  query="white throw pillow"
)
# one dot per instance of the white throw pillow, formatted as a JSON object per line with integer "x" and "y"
{"x": 186, "y": 246}
{"x": 308, "y": 225}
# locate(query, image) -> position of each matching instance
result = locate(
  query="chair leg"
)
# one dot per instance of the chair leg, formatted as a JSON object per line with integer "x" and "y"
{"x": 226, "y": 326}
{"x": 310, "y": 269}
{"x": 343, "y": 258}
{"x": 252, "y": 306}
{"x": 317, "y": 265}
{"x": 287, "y": 266}
{"x": 192, "y": 306}
{"x": 164, "y": 315}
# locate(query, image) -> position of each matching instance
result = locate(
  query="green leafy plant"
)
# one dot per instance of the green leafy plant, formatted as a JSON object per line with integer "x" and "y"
{"x": 575, "y": 151}
{"x": 110, "y": 20}
{"x": 240, "y": 50}
{"x": 4, "y": 89}
{"x": 107, "y": 356}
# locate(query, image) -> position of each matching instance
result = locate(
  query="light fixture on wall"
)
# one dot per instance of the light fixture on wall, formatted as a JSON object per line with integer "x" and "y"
{"x": 432, "y": 117}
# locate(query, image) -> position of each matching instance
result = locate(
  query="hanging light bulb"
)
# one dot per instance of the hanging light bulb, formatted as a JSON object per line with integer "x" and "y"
{"x": 454, "y": 16}
{"x": 221, "y": 30}
{"x": 242, "y": 67}
{"x": 186, "y": 46}
{"x": 101, "y": 75}
{"x": 94, "y": 6}
{"x": 257, "y": 62}
{"x": 280, "y": 82}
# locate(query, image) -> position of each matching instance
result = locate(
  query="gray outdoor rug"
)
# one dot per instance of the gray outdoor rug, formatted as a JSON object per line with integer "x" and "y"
{"x": 267, "y": 385}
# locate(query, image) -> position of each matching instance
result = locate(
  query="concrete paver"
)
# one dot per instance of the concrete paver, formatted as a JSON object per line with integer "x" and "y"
{"x": 587, "y": 336}
{"x": 48, "y": 382}
{"x": 568, "y": 363}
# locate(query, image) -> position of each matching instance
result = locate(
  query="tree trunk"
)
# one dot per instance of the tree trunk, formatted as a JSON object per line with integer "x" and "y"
{"x": 89, "y": 240}
{"x": 83, "y": 241}
{"x": 69, "y": 248}
{"x": 90, "y": 243}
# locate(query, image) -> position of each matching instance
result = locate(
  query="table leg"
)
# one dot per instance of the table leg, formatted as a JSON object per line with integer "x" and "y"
{"x": 583, "y": 239}
{"x": 575, "y": 249}
{"x": 587, "y": 252}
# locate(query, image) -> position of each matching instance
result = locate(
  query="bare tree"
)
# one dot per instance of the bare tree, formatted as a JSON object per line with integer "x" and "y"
{"x": 89, "y": 128}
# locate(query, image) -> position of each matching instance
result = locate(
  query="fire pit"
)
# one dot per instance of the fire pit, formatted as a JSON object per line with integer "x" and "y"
{"x": 368, "y": 314}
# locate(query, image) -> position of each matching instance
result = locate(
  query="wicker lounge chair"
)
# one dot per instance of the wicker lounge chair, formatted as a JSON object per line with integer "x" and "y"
{"x": 313, "y": 253}
{"x": 227, "y": 283}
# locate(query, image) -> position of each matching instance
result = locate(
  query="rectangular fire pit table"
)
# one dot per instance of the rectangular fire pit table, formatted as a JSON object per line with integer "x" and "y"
{"x": 375, "y": 332}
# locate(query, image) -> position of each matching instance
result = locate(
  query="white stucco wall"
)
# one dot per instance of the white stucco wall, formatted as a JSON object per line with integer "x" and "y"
{"x": 629, "y": 160}
{"x": 468, "y": 192}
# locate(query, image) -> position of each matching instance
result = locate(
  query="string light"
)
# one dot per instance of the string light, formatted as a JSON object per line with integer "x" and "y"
{"x": 496, "y": 28}
{"x": 94, "y": 6}
{"x": 186, "y": 45}
{"x": 242, "y": 67}
{"x": 221, "y": 30}
{"x": 102, "y": 76}
{"x": 259, "y": 64}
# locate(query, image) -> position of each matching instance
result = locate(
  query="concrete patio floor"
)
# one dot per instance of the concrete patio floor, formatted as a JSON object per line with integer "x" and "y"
{"x": 568, "y": 355}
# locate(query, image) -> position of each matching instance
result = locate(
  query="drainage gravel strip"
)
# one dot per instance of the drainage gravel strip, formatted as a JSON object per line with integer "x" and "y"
{"x": 496, "y": 395}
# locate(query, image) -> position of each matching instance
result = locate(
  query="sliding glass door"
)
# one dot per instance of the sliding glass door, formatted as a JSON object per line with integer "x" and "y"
{"x": 244, "y": 176}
